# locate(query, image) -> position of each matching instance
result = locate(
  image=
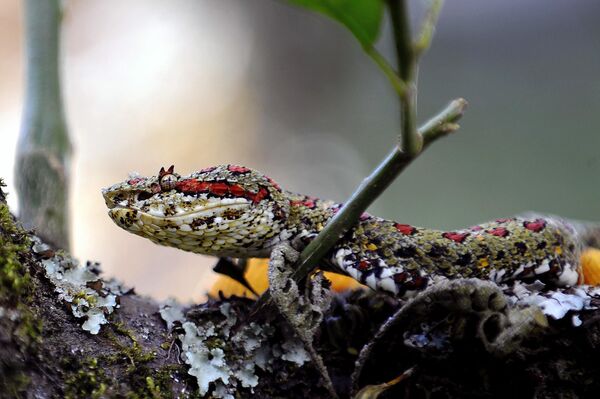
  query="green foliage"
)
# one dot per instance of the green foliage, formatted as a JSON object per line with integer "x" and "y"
{"x": 361, "y": 17}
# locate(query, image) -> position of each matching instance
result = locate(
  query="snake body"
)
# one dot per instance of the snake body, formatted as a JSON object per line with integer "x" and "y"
{"x": 231, "y": 210}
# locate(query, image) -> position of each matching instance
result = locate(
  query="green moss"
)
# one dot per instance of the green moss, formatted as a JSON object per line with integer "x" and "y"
{"x": 15, "y": 281}
{"x": 91, "y": 300}
{"x": 89, "y": 381}
{"x": 135, "y": 352}
{"x": 16, "y": 287}
{"x": 147, "y": 387}
{"x": 14, "y": 383}
{"x": 166, "y": 345}
{"x": 144, "y": 381}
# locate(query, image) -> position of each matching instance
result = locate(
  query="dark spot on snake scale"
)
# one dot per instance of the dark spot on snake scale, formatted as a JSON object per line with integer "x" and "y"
{"x": 464, "y": 259}
{"x": 437, "y": 251}
{"x": 521, "y": 247}
{"x": 405, "y": 252}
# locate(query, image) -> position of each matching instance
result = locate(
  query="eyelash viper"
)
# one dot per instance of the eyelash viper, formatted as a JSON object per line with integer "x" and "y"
{"x": 231, "y": 210}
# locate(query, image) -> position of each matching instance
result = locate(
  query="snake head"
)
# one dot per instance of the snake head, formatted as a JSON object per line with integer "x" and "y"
{"x": 226, "y": 210}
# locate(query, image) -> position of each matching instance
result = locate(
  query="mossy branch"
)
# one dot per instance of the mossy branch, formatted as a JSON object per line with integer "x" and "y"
{"x": 44, "y": 148}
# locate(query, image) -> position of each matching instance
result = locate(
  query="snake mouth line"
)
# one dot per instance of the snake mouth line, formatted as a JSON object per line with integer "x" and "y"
{"x": 198, "y": 212}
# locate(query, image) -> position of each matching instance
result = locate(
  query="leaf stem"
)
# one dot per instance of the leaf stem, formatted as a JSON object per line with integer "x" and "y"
{"x": 397, "y": 83}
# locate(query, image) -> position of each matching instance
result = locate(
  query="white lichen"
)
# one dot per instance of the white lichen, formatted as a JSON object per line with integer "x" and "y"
{"x": 225, "y": 359}
{"x": 205, "y": 364}
{"x": 89, "y": 296}
{"x": 171, "y": 312}
{"x": 294, "y": 352}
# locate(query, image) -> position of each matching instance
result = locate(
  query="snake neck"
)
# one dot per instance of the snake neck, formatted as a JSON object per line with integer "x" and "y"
{"x": 309, "y": 215}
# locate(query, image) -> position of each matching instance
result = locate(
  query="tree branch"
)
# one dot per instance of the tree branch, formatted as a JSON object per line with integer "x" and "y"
{"x": 44, "y": 148}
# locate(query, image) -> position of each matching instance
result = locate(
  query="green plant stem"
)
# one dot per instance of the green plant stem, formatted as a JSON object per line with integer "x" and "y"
{"x": 402, "y": 39}
{"x": 411, "y": 140}
{"x": 44, "y": 147}
{"x": 398, "y": 84}
{"x": 442, "y": 124}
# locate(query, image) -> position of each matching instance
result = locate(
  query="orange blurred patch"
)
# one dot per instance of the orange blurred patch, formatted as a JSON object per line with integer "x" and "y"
{"x": 256, "y": 274}
{"x": 590, "y": 265}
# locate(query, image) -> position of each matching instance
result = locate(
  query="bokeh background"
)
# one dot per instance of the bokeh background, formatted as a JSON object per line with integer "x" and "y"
{"x": 262, "y": 84}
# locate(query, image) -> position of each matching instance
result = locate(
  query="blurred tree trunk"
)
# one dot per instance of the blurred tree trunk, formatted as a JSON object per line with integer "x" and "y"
{"x": 44, "y": 150}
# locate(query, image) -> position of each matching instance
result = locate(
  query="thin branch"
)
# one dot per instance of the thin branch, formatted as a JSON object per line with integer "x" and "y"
{"x": 443, "y": 123}
{"x": 367, "y": 193}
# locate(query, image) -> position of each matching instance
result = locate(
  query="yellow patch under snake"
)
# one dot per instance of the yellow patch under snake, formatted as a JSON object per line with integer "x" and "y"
{"x": 590, "y": 265}
{"x": 256, "y": 275}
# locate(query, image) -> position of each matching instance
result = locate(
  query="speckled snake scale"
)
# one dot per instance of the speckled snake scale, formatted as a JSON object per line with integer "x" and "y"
{"x": 231, "y": 210}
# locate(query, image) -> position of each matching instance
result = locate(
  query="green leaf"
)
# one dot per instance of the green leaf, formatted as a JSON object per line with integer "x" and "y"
{"x": 361, "y": 17}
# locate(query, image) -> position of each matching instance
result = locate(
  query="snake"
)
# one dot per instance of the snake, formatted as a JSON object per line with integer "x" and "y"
{"x": 234, "y": 211}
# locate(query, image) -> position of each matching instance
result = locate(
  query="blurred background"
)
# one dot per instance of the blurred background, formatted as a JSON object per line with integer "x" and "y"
{"x": 259, "y": 83}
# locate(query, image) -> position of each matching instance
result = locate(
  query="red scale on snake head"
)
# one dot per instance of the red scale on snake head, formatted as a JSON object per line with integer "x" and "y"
{"x": 364, "y": 216}
{"x": 219, "y": 189}
{"x": 191, "y": 186}
{"x": 309, "y": 203}
{"x": 536, "y": 225}
{"x": 498, "y": 232}
{"x": 238, "y": 169}
{"x": 273, "y": 183}
{"x": 405, "y": 229}
{"x": 135, "y": 180}
{"x": 455, "y": 236}
{"x": 256, "y": 198}
{"x": 237, "y": 190}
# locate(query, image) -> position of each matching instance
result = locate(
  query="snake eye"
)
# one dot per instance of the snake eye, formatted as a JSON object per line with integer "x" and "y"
{"x": 143, "y": 195}
{"x": 167, "y": 182}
